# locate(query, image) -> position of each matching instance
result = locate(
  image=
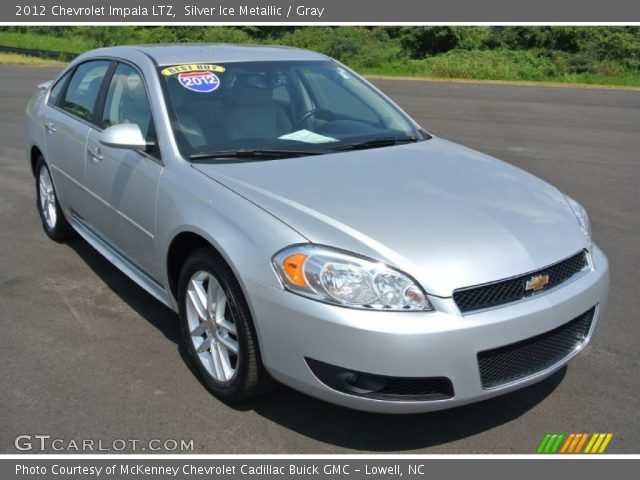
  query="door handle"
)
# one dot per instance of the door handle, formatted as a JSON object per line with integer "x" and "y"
{"x": 96, "y": 154}
{"x": 50, "y": 127}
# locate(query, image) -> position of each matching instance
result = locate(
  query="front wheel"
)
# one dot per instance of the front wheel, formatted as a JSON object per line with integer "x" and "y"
{"x": 53, "y": 221}
{"x": 218, "y": 329}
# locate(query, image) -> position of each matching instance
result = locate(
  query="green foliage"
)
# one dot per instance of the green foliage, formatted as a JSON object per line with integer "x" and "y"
{"x": 490, "y": 64}
{"x": 607, "y": 54}
{"x": 422, "y": 41}
{"x": 356, "y": 46}
{"x": 72, "y": 44}
{"x": 189, "y": 34}
{"x": 622, "y": 46}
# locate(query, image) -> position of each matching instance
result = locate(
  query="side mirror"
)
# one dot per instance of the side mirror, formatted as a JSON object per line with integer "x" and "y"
{"x": 124, "y": 135}
{"x": 45, "y": 85}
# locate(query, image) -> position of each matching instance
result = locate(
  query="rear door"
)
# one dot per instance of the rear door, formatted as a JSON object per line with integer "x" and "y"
{"x": 68, "y": 121}
{"x": 126, "y": 181}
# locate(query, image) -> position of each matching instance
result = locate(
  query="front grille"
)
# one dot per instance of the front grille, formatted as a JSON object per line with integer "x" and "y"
{"x": 519, "y": 360}
{"x": 513, "y": 289}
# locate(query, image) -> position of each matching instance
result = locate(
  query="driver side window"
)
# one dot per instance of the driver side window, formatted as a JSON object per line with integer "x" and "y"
{"x": 127, "y": 102}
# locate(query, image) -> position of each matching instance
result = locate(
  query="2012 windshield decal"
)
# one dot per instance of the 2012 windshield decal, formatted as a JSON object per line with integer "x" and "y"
{"x": 202, "y": 82}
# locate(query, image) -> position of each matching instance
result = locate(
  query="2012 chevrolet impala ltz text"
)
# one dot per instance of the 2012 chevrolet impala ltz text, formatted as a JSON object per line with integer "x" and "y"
{"x": 309, "y": 232}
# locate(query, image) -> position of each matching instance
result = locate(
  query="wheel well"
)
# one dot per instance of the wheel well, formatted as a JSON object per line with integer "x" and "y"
{"x": 181, "y": 247}
{"x": 35, "y": 154}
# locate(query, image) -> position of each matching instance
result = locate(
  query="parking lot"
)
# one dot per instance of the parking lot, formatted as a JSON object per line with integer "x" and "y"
{"x": 86, "y": 354}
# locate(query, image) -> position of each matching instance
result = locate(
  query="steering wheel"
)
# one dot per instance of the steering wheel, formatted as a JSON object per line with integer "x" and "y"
{"x": 316, "y": 112}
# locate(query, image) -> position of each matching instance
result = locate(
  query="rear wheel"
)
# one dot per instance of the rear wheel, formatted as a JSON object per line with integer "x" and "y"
{"x": 53, "y": 221}
{"x": 218, "y": 329}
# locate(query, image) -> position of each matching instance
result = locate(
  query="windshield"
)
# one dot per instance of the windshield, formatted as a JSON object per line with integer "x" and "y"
{"x": 278, "y": 106}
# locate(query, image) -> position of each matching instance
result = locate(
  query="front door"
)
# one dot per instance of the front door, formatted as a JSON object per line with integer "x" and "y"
{"x": 126, "y": 181}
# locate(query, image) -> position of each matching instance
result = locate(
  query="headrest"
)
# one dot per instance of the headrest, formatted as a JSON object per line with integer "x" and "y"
{"x": 246, "y": 95}
{"x": 134, "y": 90}
{"x": 95, "y": 84}
{"x": 257, "y": 89}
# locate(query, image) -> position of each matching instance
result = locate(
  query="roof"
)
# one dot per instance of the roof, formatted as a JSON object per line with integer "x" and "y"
{"x": 176, "y": 54}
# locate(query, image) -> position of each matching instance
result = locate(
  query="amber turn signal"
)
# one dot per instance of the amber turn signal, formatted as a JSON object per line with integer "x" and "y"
{"x": 292, "y": 266}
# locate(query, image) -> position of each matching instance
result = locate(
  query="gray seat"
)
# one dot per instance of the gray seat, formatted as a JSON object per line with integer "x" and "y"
{"x": 187, "y": 125}
{"x": 254, "y": 114}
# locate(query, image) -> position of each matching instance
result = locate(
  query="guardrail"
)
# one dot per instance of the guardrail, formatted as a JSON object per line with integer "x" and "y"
{"x": 39, "y": 53}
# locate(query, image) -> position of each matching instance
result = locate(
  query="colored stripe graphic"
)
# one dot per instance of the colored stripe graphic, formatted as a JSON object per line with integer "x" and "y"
{"x": 598, "y": 443}
{"x": 552, "y": 439}
{"x": 557, "y": 443}
{"x": 591, "y": 442}
{"x": 543, "y": 443}
{"x": 581, "y": 442}
{"x": 551, "y": 442}
{"x": 572, "y": 443}
{"x": 577, "y": 440}
{"x": 567, "y": 442}
{"x": 605, "y": 443}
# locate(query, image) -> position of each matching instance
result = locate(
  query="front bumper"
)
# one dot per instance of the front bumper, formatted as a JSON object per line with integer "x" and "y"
{"x": 443, "y": 343}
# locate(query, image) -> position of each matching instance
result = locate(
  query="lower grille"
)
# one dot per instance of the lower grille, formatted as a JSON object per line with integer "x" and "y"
{"x": 519, "y": 360}
{"x": 381, "y": 387}
{"x": 513, "y": 289}
{"x": 417, "y": 388}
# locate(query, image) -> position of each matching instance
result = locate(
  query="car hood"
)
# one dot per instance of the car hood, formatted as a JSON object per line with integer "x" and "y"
{"x": 449, "y": 216}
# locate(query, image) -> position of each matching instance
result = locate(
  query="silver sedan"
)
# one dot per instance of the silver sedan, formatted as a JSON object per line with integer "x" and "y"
{"x": 309, "y": 232}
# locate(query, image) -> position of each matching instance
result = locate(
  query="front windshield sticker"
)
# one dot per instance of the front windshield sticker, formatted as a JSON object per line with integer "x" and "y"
{"x": 176, "y": 69}
{"x": 307, "y": 137}
{"x": 203, "y": 82}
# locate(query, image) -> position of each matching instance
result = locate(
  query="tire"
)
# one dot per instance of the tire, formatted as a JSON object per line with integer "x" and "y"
{"x": 54, "y": 222}
{"x": 218, "y": 330}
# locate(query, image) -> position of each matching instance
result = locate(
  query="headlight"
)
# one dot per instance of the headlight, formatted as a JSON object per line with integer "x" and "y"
{"x": 581, "y": 216}
{"x": 335, "y": 277}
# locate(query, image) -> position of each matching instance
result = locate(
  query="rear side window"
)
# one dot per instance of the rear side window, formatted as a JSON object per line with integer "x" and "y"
{"x": 56, "y": 90}
{"x": 84, "y": 87}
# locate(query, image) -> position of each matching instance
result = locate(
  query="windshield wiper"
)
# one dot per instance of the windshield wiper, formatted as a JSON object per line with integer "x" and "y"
{"x": 378, "y": 142}
{"x": 255, "y": 153}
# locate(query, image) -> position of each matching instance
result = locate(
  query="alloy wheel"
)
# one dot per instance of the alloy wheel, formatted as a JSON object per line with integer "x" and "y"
{"x": 211, "y": 326}
{"x": 48, "y": 202}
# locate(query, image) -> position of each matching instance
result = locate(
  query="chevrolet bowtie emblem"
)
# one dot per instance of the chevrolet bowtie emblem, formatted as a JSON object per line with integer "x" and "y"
{"x": 537, "y": 282}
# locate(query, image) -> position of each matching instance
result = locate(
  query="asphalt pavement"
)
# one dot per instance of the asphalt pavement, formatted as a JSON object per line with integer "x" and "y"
{"x": 86, "y": 354}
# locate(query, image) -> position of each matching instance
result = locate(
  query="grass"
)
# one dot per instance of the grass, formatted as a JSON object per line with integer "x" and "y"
{"x": 366, "y": 51}
{"x": 518, "y": 66}
{"x": 15, "y": 59}
{"x": 587, "y": 79}
{"x": 71, "y": 44}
